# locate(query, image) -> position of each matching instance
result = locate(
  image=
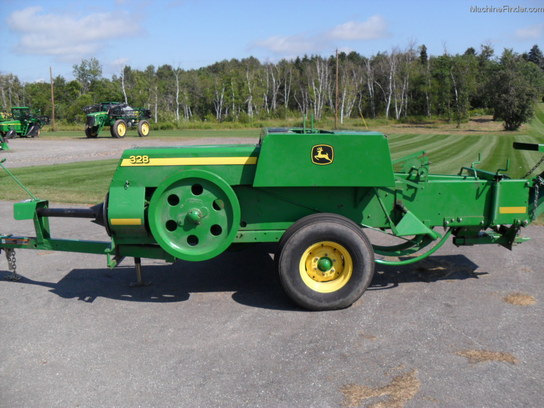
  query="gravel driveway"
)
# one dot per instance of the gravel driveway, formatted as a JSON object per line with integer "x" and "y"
{"x": 33, "y": 152}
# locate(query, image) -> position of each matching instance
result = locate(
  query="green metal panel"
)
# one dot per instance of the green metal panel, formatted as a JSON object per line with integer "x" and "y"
{"x": 149, "y": 167}
{"x": 411, "y": 225}
{"x": 465, "y": 201}
{"x": 513, "y": 202}
{"x": 8, "y": 125}
{"x": 126, "y": 211}
{"x": 25, "y": 210}
{"x": 448, "y": 201}
{"x": 142, "y": 172}
{"x": 277, "y": 208}
{"x": 339, "y": 159}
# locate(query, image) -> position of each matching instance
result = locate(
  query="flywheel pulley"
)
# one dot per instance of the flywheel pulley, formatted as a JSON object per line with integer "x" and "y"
{"x": 194, "y": 215}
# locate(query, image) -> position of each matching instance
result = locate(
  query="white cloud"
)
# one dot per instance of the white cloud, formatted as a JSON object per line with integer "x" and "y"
{"x": 373, "y": 28}
{"x": 67, "y": 36}
{"x": 534, "y": 32}
{"x": 115, "y": 67}
{"x": 295, "y": 44}
{"x": 120, "y": 62}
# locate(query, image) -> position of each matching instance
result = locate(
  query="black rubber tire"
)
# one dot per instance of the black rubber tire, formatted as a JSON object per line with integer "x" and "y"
{"x": 91, "y": 132}
{"x": 33, "y": 131}
{"x": 318, "y": 228}
{"x": 309, "y": 219}
{"x": 114, "y": 128}
{"x": 142, "y": 126}
{"x": 12, "y": 134}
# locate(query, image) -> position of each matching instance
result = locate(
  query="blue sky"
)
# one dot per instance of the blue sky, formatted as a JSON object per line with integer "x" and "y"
{"x": 36, "y": 35}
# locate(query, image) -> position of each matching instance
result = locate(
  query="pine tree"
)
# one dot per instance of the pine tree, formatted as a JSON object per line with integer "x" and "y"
{"x": 535, "y": 56}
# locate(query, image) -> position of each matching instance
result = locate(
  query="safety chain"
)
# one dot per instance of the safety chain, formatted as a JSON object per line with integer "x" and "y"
{"x": 12, "y": 264}
{"x": 534, "y": 167}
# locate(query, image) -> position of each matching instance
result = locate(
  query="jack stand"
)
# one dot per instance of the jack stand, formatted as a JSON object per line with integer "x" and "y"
{"x": 139, "y": 282}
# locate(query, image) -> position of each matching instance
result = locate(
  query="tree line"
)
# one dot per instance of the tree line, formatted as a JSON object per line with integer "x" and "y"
{"x": 400, "y": 84}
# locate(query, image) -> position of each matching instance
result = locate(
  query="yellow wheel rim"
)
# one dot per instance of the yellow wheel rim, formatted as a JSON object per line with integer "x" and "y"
{"x": 121, "y": 129}
{"x": 145, "y": 129}
{"x": 326, "y": 267}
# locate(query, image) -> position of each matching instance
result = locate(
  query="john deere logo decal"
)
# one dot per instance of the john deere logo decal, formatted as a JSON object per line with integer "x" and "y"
{"x": 322, "y": 154}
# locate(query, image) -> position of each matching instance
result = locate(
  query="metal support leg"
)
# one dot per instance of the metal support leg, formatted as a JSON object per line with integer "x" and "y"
{"x": 139, "y": 282}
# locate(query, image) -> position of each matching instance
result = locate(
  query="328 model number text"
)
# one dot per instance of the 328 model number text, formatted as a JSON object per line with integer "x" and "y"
{"x": 139, "y": 159}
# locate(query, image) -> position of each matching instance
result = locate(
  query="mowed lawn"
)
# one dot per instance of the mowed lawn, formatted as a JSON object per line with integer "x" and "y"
{"x": 448, "y": 153}
{"x": 87, "y": 182}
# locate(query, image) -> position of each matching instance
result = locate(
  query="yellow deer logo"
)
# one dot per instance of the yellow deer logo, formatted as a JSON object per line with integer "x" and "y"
{"x": 322, "y": 154}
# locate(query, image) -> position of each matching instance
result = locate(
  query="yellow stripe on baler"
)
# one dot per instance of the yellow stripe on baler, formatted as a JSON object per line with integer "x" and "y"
{"x": 512, "y": 210}
{"x": 126, "y": 221}
{"x": 190, "y": 161}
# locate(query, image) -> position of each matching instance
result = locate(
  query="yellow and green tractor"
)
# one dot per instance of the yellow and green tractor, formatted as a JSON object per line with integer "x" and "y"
{"x": 118, "y": 116}
{"x": 22, "y": 121}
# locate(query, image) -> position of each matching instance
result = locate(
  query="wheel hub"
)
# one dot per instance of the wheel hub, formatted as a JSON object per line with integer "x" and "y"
{"x": 324, "y": 262}
{"x": 195, "y": 215}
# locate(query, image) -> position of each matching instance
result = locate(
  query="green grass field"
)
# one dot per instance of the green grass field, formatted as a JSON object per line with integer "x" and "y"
{"x": 87, "y": 182}
{"x": 82, "y": 182}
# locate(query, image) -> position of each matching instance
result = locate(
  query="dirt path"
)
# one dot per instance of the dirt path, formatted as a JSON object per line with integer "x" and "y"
{"x": 34, "y": 152}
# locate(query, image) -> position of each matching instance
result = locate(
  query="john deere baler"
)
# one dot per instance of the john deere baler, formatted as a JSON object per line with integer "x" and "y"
{"x": 315, "y": 193}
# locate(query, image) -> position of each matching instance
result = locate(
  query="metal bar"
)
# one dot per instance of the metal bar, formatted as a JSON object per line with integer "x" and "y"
{"x": 143, "y": 251}
{"x": 417, "y": 258}
{"x": 65, "y": 245}
{"x": 139, "y": 281}
{"x": 479, "y": 173}
{"x": 67, "y": 212}
{"x": 384, "y": 209}
{"x": 17, "y": 180}
{"x": 494, "y": 203}
{"x": 410, "y": 156}
{"x": 258, "y": 236}
{"x": 488, "y": 238}
{"x": 529, "y": 146}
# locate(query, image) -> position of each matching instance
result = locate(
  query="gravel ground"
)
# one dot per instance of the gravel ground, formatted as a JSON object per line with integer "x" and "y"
{"x": 446, "y": 332}
{"x": 33, "y": 152}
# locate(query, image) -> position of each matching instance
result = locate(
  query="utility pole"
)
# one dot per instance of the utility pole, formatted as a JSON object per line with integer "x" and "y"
{"x": 52, "y": 100}
{"x": 336, "y": 104}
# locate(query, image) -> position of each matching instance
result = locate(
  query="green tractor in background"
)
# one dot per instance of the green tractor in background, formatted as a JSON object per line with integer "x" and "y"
{"x": 3, "y": 143}
{"x": 118, "y": 116}
{"x": 22, "y": 121}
